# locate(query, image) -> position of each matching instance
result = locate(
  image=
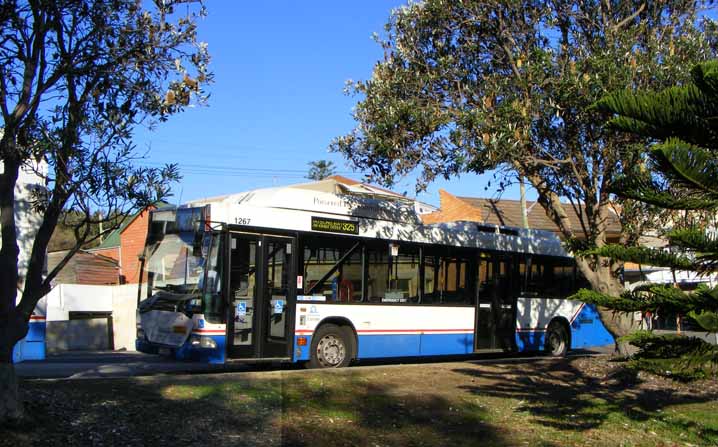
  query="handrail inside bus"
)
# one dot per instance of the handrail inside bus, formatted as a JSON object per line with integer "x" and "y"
{"x": 334, "y": 268}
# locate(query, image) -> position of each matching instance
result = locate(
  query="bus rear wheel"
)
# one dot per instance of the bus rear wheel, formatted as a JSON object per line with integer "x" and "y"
{"x": 332, "y": 347}
{"x": 557, "y": 341}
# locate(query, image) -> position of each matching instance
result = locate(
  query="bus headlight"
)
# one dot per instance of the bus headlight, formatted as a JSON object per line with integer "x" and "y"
{"x": 202, "y": 342}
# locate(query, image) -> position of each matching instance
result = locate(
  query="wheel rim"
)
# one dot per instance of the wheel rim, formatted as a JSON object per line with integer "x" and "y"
{"x": 331, "y": 351}
{"x": 556, "y": 342}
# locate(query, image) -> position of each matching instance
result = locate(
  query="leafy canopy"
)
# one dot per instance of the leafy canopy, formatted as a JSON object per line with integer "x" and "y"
{"x": 76, "y": 79}
{"x": 506, "y": 86}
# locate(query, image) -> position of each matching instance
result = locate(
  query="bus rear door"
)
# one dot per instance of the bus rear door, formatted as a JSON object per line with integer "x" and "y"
{"x": 498, "y": 288}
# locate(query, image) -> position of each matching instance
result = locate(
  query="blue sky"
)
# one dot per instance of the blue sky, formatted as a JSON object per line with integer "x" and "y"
{"x": 277, "y": 101}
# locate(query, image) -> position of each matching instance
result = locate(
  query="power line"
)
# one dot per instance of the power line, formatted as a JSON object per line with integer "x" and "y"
{"x": 196, "y": 167}
{"x": 218, "y": 146}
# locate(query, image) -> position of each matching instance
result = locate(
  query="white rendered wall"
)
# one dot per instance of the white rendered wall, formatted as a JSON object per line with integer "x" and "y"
{"x": 120, "y": 300}
{"x": 30, "y": 180}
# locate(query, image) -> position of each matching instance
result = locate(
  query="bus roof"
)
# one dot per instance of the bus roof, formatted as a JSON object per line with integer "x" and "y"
{"x": 371, "y": 214}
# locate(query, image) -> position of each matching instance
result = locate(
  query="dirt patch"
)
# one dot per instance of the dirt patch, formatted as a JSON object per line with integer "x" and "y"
{"x": 578, "y": 401}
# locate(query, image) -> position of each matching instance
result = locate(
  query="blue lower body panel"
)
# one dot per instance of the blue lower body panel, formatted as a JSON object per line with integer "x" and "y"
{"x": 412, "y": 345}
{"x": 587, "y": 329}
{"x": 530, "y": 341}
{"x": 377, "y": 346}
{"x": 32, "y": 347}
{"x": 206, "y": 355}
{"x": 446, "y": 344}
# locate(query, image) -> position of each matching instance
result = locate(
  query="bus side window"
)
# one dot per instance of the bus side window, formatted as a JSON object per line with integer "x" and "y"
{"x": 485, "y": 281}
{"x": 430, "y": 279}
{"x": 550, "y": 277}
{"x": 331, "y": 272}
{"x": 448, "y": 280}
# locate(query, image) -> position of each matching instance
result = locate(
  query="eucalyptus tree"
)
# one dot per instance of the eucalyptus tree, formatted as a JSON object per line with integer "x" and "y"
{"x": 506, "y": 86}
{"x": 76, "y": 78}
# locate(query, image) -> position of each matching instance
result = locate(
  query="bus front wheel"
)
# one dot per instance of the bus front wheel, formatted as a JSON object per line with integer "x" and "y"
{"x": 557, "y": 341}
{"x": 332, "y": 347}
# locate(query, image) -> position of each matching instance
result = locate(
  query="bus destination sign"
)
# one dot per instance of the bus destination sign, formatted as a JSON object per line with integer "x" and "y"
{"x": 334, "y": 225}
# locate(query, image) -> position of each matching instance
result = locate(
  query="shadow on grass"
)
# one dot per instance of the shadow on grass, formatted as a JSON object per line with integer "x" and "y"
{"x": 561, "y": 396}
{"x": 287, "y": 410}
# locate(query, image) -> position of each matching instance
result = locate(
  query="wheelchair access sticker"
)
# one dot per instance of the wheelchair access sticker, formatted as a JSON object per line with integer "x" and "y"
{"x": 278, "y": 306}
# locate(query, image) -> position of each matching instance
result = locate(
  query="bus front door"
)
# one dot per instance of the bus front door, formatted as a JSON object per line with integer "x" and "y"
{"x": 496, "y": 306}
{"x": 259, "y": 296}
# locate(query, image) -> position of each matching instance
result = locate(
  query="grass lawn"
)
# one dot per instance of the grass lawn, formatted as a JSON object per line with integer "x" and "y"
{"x": 545, "y": 402}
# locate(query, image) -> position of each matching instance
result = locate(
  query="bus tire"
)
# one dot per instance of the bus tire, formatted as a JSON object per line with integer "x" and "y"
{"x": 332, "y": 347}
{"x": 557, "y": 339}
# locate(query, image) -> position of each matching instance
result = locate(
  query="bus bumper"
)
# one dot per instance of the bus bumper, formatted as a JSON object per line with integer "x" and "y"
{"x": 210, "y": 350}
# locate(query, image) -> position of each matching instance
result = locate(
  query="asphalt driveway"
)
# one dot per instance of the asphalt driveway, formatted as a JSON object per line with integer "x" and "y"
{"x": 98, "y": 364}
{"x": 105, "y": 364}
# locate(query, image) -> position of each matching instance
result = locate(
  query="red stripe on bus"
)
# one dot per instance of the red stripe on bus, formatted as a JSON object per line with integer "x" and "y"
{"x": 414, "y": 330}
{"x": 575, "y": 315}
{"x": 368, "y": 331}
{"x": 580, "y": 308}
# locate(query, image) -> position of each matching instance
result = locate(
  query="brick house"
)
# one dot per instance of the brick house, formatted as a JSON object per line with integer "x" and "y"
{"x": 125, "y": 245}
{"x": 85, "y": 268}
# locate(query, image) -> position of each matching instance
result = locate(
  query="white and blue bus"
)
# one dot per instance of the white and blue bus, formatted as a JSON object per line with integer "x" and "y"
{"x": 309, "y": 273}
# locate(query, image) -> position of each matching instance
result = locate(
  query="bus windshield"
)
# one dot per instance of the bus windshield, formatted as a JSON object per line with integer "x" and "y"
{"x": 172, "y": 266}
{"x": 174, "y": 260}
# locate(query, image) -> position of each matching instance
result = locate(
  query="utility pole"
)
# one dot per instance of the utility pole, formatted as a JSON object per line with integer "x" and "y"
{"x": 102, "y": 237}
{"x": 524, "y": 212}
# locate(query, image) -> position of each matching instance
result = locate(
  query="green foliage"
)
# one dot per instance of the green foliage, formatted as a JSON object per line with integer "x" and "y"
{"x": 662, "y": 346}
{"x": 657, "y": 298}
{"x": 618, "y": 303}
{"x": 64, "y": 237}
{"x": 321, "y": 169}
{"x": 683, "y": 173}
{"x": 703, "y": 245}
{"x": 706, "y": 319}
{"x": 678, "y": 357}
{"x": 641, "y": 255}
{"x": 684, "y": 165}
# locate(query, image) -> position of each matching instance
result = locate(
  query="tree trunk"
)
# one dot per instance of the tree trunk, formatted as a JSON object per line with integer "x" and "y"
{"x": 601, "y": 274}
{"x": 11, "y": 410}
{"x": 9, "y": 250}
{"x": 618, "y": 324}
{"x": 12, "y": 329}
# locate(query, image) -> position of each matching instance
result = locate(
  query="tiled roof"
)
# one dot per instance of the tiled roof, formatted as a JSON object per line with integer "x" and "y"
{"x": 84, "y": 268}
{"x": 508, "y": 213}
